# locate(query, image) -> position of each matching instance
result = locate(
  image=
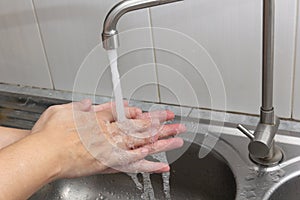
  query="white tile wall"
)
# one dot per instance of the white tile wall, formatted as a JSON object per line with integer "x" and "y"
{"x": 231, "y": 32}
{"x": 71, "y": 29}
{"x": 22, "y": 59}
{"x": 296, "y": 108}
{"x": 286, "y": 18}
{"x": 296, "y": 111}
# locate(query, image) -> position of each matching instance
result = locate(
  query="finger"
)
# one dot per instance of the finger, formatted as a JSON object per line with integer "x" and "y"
{"x": 161, "y": 115}
{"x": 108, "y": 105}
{"x": 171, "y": 130}
{"x": 164, "y": 145}
{"x": 140, "y": 125}
{"x": 133, "y": 112}
{"x": 125, "y": 157}
{"x": 120, "y": 157}
{"x": 138, "y": 139}
{"x": 109, "y": 115}
{"x": 144, "y": 166}
{"x": 125, "y": 138}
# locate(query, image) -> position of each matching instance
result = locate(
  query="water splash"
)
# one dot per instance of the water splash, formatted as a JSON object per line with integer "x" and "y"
{"x": 136, "y": 181}
{"x": 166, "y": 185}
{"x": 259, "y": 178}
{"x": 162, "y": 157}
{"x": 148, "y": 189}
{"x": 277, "y": 175}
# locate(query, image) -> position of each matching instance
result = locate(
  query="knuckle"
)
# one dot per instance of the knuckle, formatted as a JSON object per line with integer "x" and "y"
{"x": 54, "y": 109}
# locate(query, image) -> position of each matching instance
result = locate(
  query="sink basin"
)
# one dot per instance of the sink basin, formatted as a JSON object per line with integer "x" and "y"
{"x": 289, "y": 190}
{"x": 225, "y": 173}
{"x": 191, "y": 178}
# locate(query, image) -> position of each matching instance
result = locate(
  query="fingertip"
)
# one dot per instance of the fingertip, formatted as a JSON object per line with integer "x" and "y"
{"x": 125, "y": 102}
{"x": 181, "y": 128}
{"x": 174, "y": 143}
{"x": 138, "y": 111}
{"x": 179, "y": 142}
{"x": 165, "y": 168}
{"x": 170, "y": 115}
{"x": 133, "y": 112}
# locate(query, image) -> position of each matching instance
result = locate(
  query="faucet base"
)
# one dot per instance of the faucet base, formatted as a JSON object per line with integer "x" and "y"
{"x": 275, "y": 159}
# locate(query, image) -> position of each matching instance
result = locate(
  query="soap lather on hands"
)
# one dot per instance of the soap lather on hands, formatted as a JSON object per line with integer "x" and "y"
{"x": 93, "y": 142}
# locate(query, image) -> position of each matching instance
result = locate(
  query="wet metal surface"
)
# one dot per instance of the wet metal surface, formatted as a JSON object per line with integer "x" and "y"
{"x": 22, "y": 111}
{"x": 226, "y": 173}
{"x": 206, "y": 179}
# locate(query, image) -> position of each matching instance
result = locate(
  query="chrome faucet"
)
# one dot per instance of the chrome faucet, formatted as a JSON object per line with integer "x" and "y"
{"x": 110, "y": 37}
{"x": 262, "y": 148}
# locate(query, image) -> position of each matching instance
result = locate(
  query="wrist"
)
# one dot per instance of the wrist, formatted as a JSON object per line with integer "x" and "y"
{"x": 64, "y": 150}
{"x": 51, "y": 156}
{"x": 11, "y": 135}
{"x": 32, "y": 163}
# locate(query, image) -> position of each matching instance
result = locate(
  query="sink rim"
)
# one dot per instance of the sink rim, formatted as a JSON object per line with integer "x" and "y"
{"x": 285, "y": 180}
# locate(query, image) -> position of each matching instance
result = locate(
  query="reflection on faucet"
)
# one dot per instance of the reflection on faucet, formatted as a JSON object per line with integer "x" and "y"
{"x": 110, "y": 36}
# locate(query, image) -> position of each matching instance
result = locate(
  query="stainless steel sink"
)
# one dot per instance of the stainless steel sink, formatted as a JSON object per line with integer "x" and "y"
{"x": 255, "y": 182}
{"x": 289, "y": 190}
{"x": 191, "y": 178}
{"x": 225, "y": 173}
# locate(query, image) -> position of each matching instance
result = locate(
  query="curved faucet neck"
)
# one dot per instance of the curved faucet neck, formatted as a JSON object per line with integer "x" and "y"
{"x": 110, "y": 34}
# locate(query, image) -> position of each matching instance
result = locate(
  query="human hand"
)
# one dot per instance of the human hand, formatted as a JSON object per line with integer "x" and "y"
{"x": 87, "y": 140}
{"x": 11, "y": 135}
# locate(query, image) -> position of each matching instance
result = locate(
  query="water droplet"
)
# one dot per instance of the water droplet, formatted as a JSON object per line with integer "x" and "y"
{"x": 250, "y": 194}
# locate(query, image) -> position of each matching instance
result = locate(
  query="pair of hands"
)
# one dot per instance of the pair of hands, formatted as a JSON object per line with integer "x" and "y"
{"x": 87, "y": 139}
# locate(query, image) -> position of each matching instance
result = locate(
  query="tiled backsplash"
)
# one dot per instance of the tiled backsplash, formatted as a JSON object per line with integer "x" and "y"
{"x": 231, "y": 33}
{"x": 208, "y": 53}
{"x": 296, "y": 99}
{"x": 22, "y": 58}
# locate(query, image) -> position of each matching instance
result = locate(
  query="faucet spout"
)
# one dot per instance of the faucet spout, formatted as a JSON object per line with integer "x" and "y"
{"x": 110, "y": 36}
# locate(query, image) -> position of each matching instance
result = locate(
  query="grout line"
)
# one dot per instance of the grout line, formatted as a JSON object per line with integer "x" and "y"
{"x": 189, "y": 114}
{"x": 68, "y": 95}
{"x": 295, "y": 60}
{"x": 287, "y": 126}
{"x": 154, "y": 55}
{"x": 43, "y": 43}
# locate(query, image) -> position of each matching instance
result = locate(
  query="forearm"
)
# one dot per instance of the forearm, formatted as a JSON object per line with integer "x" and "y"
{"x": 25, "y": 166}
{"x": 10, "y": 135}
